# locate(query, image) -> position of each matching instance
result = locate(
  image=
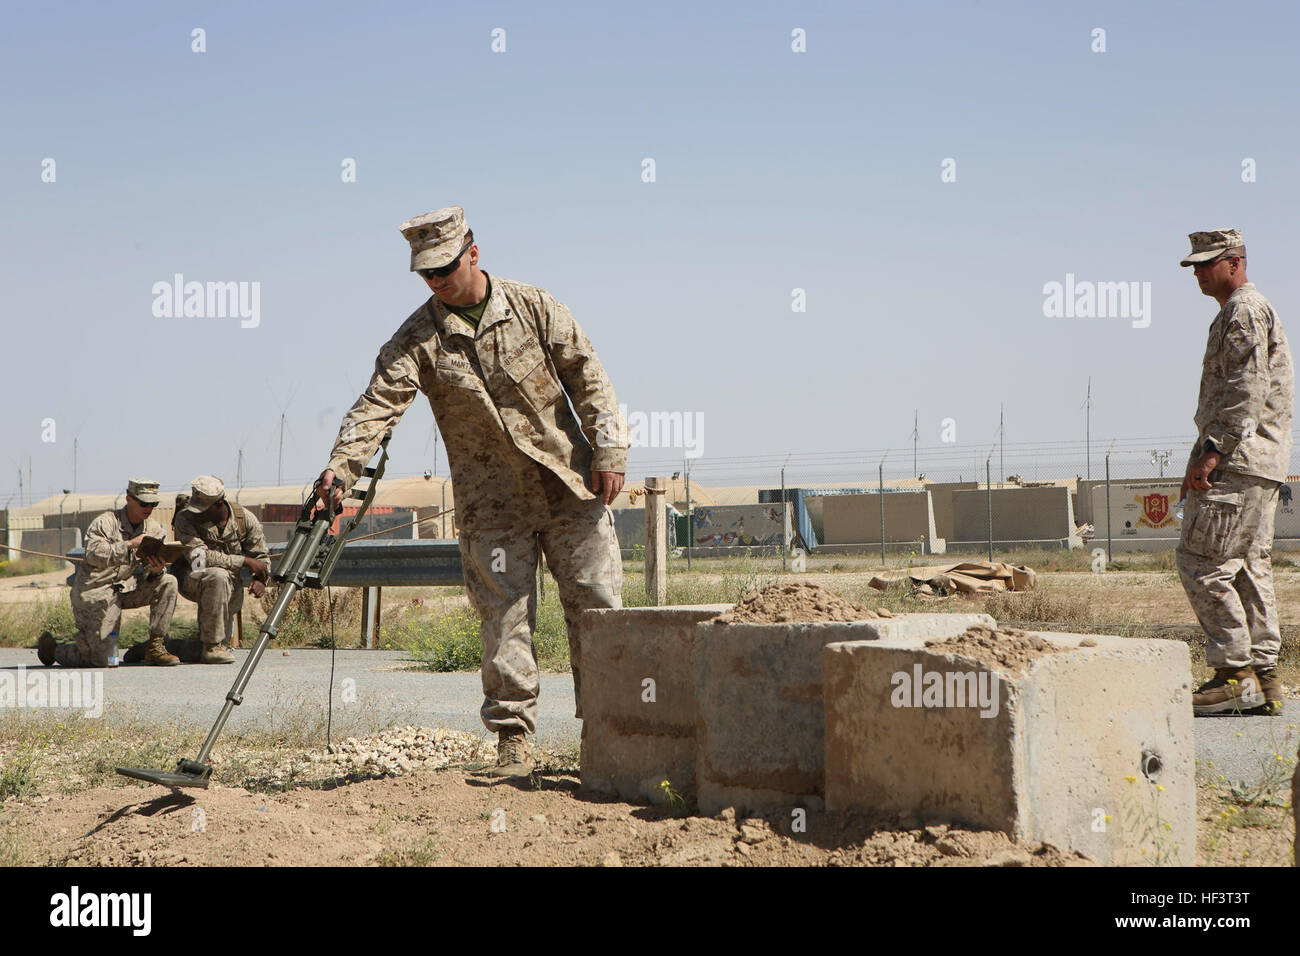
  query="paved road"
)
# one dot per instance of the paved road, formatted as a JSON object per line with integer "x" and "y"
{"x": 383, "y": 691}
{"x": 295, "y": 689}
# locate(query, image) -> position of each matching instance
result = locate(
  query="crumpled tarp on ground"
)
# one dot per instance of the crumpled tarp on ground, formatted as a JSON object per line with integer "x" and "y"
{"x": 969, "y": 577}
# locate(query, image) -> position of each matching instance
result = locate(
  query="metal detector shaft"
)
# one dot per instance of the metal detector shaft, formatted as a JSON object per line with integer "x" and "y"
{"x": 236, "y": 694}
{"x": 307, "y": 561}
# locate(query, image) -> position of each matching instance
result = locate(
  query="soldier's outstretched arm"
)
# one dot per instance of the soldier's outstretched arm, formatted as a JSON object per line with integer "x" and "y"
{"x": 392, "y": 388}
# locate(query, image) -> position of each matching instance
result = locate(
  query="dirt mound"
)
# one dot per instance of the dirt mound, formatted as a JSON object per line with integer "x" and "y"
{"x": 457, "y": 817}
{"x": 787, "y": 603}
{"x": 1006, "y": 649}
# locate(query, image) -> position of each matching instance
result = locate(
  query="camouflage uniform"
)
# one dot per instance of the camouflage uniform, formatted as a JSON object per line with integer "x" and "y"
{"x": 213, "y": 580}
{"x": 520, "y": 467}
{"x": 102, "y": 588}
{"x": 1244, "y": 411}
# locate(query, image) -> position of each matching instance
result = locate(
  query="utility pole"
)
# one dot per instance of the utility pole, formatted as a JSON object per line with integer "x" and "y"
{"x": 279, "y": 468}
{"x": 74, "y": 465}
{"x": 880, "y": 490}
{"x": 1087, "y": 427}
{"x": 239, "y": 470}
{"x": 690, "y": 519}
{"x": 783, "y": 511}
{"x": 1002, "y": 443}
{"x": 916, "y": 433}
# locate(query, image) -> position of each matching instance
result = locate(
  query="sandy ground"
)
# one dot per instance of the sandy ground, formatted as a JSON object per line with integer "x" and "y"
{"x": 454, "y": 817}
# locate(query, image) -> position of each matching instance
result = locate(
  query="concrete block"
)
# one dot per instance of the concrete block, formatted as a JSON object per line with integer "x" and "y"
{"x": 761, "y": 728}
{"x": 1085, "y": 735}
{"x": 631, "y": 744}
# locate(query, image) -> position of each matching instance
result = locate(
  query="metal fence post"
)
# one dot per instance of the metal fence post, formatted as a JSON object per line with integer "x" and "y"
{"x": 988, "y": 483}
{"x": 882, "y": 511}
{"x": 783, "y": 513}
{"x": 1110, "y": 552}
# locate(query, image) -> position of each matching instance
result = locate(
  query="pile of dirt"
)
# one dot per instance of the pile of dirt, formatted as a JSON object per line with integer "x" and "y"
{"x": 456, "y": 817}
{"x": 1006, "y": 649}
{"x": 789, "y": 603}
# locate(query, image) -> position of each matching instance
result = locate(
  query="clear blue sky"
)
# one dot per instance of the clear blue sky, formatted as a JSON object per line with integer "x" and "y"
{"x": 775, "y": 170}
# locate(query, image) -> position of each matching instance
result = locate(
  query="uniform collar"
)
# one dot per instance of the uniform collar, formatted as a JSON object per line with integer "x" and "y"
{"x": 498, "y": 309}
{"x": 126, "y": 522}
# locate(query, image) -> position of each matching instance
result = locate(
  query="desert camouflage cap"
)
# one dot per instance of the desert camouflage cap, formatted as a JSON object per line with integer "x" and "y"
{"x": 143, "y": 489}
{"x": 205, "y": 491}
{"x": 436, "y": 237}
{"x": 1212, "y": 244}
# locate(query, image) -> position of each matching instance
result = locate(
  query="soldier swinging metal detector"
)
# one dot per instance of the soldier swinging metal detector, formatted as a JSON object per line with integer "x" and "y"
{"x": 308, "y": 560}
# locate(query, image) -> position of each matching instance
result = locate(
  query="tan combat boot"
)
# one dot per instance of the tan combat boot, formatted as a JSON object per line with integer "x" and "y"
{"x": 1271, "y": 685}
{"x": 155, "y": 652}
{"x": 1230, "y": 690}
{"x": 216, "y": 654}
{"x": 512, "y": 755}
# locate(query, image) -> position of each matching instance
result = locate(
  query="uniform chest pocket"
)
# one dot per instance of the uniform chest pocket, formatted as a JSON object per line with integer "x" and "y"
{"x": 526, "y": 366}
{"x": 456, "y": 372}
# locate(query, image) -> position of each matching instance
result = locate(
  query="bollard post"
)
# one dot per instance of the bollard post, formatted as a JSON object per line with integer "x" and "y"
{"x": 656, "y": 542}
{"x": 369, "y": 617}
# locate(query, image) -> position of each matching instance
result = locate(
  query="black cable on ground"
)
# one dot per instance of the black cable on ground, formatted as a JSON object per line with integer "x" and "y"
{"x": 329, "y": 719}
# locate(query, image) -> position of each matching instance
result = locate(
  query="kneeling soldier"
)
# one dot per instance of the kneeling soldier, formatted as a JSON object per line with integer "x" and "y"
{"x": 100, "y": 592}
{"x": 222, "y": 537}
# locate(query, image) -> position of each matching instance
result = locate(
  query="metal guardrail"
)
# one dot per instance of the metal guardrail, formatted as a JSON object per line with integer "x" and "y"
{"x": 375, "y": 565}
{"x": 396, "y": 563}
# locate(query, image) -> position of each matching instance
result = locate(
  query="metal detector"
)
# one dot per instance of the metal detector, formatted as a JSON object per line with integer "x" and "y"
{"x": 309, "y": 558}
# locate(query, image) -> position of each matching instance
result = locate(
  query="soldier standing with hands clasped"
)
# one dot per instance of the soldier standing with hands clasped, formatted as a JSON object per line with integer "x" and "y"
{"x": 1243, "y": 449}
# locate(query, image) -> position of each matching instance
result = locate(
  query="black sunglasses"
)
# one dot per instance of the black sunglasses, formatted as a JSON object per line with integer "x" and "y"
{"x": 143, "y": 504}
{"x": 443, "y": 271}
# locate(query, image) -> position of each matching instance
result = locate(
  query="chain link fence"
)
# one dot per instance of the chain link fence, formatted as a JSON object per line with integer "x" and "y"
{"x": 1120, "y": 496}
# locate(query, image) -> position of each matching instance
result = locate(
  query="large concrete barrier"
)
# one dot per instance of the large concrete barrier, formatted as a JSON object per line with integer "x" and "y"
{"x": 740, "y": 526}
{"x": 635, "y": 734}
{"x": 941, "y": 502}
{"x": 761, "y": 727}
{"x": 1090, "y": 749}
{"x": 1143, "y": 515}
{"x": 855, "y": 520}
{"x": 44, "y": 540}
{"x": 1022, "y": 517}
{"x": 629, "y": 525}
